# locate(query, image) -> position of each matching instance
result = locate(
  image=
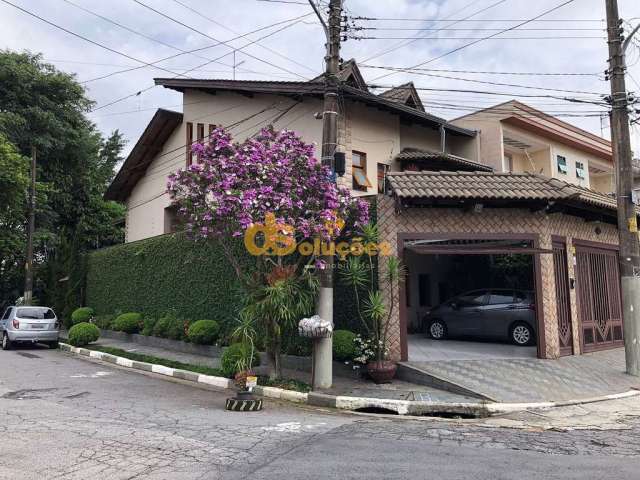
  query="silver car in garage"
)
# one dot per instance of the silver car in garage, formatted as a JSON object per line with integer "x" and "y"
{"x": 29, "y": 325}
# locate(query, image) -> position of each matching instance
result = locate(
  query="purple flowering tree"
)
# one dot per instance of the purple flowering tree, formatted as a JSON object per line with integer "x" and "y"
{"x": 272, "y": 177}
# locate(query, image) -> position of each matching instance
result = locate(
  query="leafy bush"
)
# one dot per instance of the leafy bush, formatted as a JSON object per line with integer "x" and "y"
{"x": 148, "y": 323}
{"x": 104, "y": 322}
{"x": 203, "y": 332}
{"x": 128, "y": 322}
{"x": 169, "y": 326}
{"x": 82, "y": 314}
{"x": 235, "y": 355}
{"x": 344, "y": 347}
{"x": 83, "y": 334}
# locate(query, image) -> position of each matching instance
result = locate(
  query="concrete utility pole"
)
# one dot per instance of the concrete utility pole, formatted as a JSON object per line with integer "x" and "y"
{"x": 28, "y": 266}
{"x": 323, "y": 348}
{"x": 627, "y": 224}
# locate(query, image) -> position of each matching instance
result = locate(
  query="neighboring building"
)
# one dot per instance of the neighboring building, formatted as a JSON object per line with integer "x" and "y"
{"x": 515, "y": 137}
{"x": 373, "y": 131}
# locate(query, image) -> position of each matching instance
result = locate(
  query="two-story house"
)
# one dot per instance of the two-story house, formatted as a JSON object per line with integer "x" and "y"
{"x": 459, "y": 199}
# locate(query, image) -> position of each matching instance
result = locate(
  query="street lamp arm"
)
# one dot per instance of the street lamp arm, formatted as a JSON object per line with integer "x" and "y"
{"x": 628, "y": 39}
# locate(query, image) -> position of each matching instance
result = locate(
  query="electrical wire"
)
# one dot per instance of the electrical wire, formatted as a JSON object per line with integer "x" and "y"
{"x": 226, "y": 43}
{"x": 475, "y": 42}
{"x": 484, "y": 72}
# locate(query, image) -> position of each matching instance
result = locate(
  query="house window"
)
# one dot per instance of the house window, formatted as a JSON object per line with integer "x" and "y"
{"x": 562, "y": 165}
{"x": 359, "y": 171}
{"x": 635, "y": 196}
{"x": 200, "y": 133}
{"x": 580, "y": 173}
{"x": 188, "y": 143}
{"x": 382, "y": 175}
{"x": 508, "y": 160}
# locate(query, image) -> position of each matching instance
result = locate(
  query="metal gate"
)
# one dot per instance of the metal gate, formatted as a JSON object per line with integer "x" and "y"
{"x": 599, "y": 300}
{"x": 563, "y": 304}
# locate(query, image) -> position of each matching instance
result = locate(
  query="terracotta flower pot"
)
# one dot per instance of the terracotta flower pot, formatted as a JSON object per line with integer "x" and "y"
{"x": 381, "y": 372}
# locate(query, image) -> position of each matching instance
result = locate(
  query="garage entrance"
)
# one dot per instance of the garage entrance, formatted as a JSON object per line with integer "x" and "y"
{"x": 471, "y": 298}
{"x": 599, "y": 299}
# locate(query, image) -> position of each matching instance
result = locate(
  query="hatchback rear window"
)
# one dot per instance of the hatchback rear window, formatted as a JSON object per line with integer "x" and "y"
{"x": 35, "y": 313}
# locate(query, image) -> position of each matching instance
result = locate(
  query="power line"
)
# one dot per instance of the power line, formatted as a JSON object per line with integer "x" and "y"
{"x": 82, "y": 37}
{"x": 484, "y": 72}
{"x": 389, "y": 19}
{"x": 215, "y": 22}
{"x": 454, "y": 22}
{"x": 135, "y": 94}
{"x": 466, "y": 45}
{"x": 501, "y": 84}
{"x": 226, "y": 43}
{"x": 583, "y": 37}
{"x": 447, "y": 29}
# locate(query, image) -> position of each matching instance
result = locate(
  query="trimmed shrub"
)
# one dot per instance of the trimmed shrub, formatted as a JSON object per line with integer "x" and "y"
{"x": 203, "y": 332}
{"x": 169, "y": 326}
{"x": 105, "y": 322}
{"x": 83, "y": 334}
{"x": 82, "y": 314}
{"x": 344, "y": 347}
{"x": 148, "y": 323}
{"x": 128, "y": 322}
{"x": 233, "y": 354}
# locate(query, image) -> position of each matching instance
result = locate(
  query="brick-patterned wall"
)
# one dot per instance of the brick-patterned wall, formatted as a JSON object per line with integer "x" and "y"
{"x": 497, "y": 221}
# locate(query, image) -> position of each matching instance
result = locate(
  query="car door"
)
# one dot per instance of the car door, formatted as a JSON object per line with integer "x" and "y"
{"x": 465, "y": 315}
{"x": 498, "y": 313}
{"x": 5, "y": 318}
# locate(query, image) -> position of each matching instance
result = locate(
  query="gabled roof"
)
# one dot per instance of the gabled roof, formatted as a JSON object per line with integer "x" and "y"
{"x": 161, "y": 126}
{"x": 405, "y": 94}
{"x": 440, "y": 161}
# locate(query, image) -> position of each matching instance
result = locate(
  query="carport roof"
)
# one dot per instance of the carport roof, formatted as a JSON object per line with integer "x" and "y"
{"x": 478, "y": 185}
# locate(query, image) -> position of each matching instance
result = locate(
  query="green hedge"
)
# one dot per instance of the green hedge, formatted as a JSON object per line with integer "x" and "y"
{"x": 192, "y": 280}
{"x": 162, "y": 274}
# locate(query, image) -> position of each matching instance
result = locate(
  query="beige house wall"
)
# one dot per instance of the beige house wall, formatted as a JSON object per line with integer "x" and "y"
{"x": 496, "y": 221}
{"x": 490, "y": 140}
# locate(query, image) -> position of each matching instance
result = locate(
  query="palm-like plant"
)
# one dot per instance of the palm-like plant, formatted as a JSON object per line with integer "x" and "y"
{"x": 374, "y": 313}
{"x": 280, "y": 303}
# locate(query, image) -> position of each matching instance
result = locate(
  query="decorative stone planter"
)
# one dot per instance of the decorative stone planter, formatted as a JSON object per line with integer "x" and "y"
{"x": 381, "y": 372}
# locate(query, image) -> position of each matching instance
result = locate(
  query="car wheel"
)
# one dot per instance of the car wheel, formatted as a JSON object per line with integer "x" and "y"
{"x": 437, "y": 330}
{"x": 53, "y": 345}
{"x": 521, "y": 334}
{"x": 6, "y": 343}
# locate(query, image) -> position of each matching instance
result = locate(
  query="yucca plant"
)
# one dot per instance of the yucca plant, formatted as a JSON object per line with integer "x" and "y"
{"x": 374, "y": 313}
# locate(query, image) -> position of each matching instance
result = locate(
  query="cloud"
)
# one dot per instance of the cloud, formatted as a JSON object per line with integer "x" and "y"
{"x": 304, "y": 43}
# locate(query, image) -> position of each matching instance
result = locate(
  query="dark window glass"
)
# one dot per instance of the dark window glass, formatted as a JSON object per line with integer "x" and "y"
{"x": 471, "y": 299}
{"x": 35, "y": 313}
{"x": 7, "y": 312}
{"x": 499, "y": 298}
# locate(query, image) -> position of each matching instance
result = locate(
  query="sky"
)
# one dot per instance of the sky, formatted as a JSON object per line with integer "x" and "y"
{"x": 292, "y": 48}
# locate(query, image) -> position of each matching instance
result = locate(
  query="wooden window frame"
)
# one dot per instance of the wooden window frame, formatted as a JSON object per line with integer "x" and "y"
{"x": 199, "y": 137}
{"x": 385, "y": 170}
{"x": 188, "y": 144}
{"x": 363, "y": 168}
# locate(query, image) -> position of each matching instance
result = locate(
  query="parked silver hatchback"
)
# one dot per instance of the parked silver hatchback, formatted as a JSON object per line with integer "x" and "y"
{"x": 29, "y": 325}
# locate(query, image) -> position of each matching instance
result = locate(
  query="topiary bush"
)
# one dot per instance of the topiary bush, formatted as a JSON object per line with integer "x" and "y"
{"x": 203, "y": 332}
{"x": 344, "y": 347}
{"x": 82, "y": 314}
{"x": 83, "y": 334}
{"x": 128, "y": 322}
{"x": 169, "y": 326}
{"x": 233, "y": 355}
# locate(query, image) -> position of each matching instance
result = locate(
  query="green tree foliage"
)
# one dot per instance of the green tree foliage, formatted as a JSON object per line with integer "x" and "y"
{"x": 44, "y": 108}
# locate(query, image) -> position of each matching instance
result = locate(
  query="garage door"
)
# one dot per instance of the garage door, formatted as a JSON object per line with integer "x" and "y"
{"x": 599, "y": 300}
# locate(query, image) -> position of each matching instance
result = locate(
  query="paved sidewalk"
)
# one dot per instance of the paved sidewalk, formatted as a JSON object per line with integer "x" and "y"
{"x": 535, "y": 380}
{"x": 353, "y": 385}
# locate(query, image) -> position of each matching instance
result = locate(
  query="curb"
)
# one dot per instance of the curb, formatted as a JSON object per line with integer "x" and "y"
{"x": 341, "y": 402}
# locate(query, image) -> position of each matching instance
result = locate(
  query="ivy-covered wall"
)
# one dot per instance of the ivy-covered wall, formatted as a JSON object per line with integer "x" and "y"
{"x": 166, "y": 272}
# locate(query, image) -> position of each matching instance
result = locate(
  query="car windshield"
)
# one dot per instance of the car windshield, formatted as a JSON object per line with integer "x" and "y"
{"x": 35, "y": 313}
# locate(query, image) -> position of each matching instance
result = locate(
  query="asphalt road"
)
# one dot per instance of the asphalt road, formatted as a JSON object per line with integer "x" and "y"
{"x": 67, "y": 418}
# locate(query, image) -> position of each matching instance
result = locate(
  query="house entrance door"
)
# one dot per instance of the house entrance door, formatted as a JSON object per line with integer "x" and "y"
{"x": 563, "y": 304}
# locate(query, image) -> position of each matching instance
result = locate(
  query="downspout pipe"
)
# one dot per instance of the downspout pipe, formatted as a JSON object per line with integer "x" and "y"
{"x": 443, "y": 139}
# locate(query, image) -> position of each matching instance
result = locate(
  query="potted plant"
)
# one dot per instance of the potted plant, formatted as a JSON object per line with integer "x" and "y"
{"x": 373, "y": 311}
